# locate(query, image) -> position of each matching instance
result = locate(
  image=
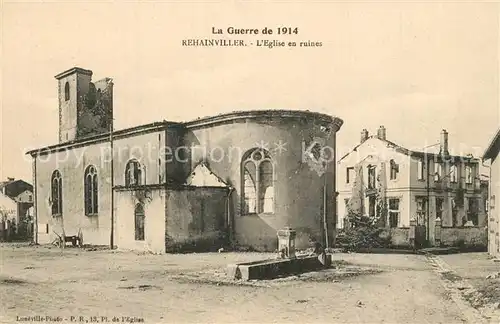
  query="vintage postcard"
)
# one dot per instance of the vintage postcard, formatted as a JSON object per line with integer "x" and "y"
{"x": 249, "y": 161}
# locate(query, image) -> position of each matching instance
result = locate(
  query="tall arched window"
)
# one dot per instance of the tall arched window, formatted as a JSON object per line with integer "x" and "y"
{"x": 91, "y": 191}
{"x": 66, "y": 91}
{"x": 134, "y": 173}
{"x": 257, "y": 182}
{"x": 139, "y": 222}
{"x": 56, "y": 193}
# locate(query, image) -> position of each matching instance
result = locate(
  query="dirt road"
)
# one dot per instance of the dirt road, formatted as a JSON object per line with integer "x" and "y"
{"x": 102, "y": 286}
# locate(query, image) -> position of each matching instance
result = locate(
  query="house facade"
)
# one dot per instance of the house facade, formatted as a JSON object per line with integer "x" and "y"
{"x": 234, "y": 178}
{"x": 491, "y": 155}
{"x": 21, "y": 192}
{"x": 381, "y": 179}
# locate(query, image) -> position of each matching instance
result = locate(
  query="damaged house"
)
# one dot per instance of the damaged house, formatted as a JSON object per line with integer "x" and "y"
{"x": 440, "y": 192}
{"x": 230, "y": 179}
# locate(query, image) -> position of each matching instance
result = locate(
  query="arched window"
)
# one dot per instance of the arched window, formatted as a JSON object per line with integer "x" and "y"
{"x": 56, "y": 193}
{"x": 453, "y": 173}
{"x": 139, "y": 222}
{"x": 66, "y": 91}
{"x": 134, "y": 173}
{"x": 91, "y": 191}
{"x": 257, "y": 182}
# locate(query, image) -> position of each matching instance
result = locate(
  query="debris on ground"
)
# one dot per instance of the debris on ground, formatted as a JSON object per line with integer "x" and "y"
{"x": 493, "y": 276}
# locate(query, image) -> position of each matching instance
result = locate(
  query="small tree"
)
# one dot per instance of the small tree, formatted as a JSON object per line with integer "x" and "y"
{"x": 363, "y": 231}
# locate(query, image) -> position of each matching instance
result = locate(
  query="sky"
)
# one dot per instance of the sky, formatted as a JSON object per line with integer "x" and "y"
{"x": 416, "y": 68}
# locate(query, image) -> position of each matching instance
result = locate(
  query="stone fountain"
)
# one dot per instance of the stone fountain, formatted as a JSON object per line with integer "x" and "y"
{"x": 287, "y": 263}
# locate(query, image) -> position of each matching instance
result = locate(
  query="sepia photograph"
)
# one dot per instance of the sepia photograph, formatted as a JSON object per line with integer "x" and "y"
{"x": 249, "y": 161}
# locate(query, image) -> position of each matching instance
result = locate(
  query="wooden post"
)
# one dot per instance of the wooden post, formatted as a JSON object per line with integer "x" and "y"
{"x": 437, "y": 232}
{"x": 412, "y": 233}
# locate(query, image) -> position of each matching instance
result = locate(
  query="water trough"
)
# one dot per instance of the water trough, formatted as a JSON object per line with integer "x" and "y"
{"x": 287, "y": 263}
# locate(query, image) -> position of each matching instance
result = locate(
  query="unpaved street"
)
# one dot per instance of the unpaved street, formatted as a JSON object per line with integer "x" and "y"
{"x": 190, "y": 288}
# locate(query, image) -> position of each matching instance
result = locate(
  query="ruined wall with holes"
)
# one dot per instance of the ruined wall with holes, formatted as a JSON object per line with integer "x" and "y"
{"x": 96, "y": 112}
{"x": 196, "y": 219}
{"x": 298, "y": 178}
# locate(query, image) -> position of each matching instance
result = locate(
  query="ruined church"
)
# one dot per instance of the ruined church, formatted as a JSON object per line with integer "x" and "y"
{"x": 227, "y": 180}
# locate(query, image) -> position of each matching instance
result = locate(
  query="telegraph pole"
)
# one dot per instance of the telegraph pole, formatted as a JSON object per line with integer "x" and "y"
{"x": 111, "y": 239}
{"x": 325, "y": 220}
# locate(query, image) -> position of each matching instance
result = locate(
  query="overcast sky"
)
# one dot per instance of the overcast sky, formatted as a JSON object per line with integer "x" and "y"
{"x": 415, "y": 68}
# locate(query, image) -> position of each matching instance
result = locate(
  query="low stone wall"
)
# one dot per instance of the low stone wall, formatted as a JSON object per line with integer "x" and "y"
{"x": 399, "y": 236}
{"x": 467, "y": 237}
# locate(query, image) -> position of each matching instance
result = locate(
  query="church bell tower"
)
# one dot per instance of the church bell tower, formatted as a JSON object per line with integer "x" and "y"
{"x": 85, "y": 108}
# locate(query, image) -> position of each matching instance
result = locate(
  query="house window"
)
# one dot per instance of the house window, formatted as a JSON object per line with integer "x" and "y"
{"x": 56, "y": 193}
{"x": 139, "y": 222}
{"x": 439, "y": 208}
{"x": 91, "y": 191}
{"x": 371, "y": 177}
{"x": 394, "y": 170}
{"x": 421, "y": 210}
{"x": 473, "y": 211}
{"x": 438, "y": 168}
{"x": 453, "y": 173}
{"x": 258, "y": 182}
{"x": 468, "y": 174}
{"x": 30, "y": 198}
{"x": 420, "y": 169}
{"x": 349, "y": 175}
{"x": 134, "y": 173}
{"x": 393, "y": 212}
{"x": 371, "y": 206}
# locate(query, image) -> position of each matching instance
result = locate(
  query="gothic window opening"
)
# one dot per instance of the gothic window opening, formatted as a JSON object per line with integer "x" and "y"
{"x": 91, "y": 191}
{"x": 258, "y": 182}
{"x": 139, "y": 222}
{"x": 56, "y": 193}
{"x": 134, "y": 173}
{"x": 66, "y": 91}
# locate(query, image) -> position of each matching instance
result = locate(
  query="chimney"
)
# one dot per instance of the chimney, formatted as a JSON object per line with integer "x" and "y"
{"x": 364, "y": 135}
{"x": 11, "y": 179}
{"x": 443, "y": 143}
{"x": 381, "y": 132}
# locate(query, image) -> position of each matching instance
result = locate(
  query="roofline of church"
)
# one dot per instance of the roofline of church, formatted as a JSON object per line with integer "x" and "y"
{"x": 141, "y": 129}
{"x": 281, "y": 113}
{"x": 200, "y": 122}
